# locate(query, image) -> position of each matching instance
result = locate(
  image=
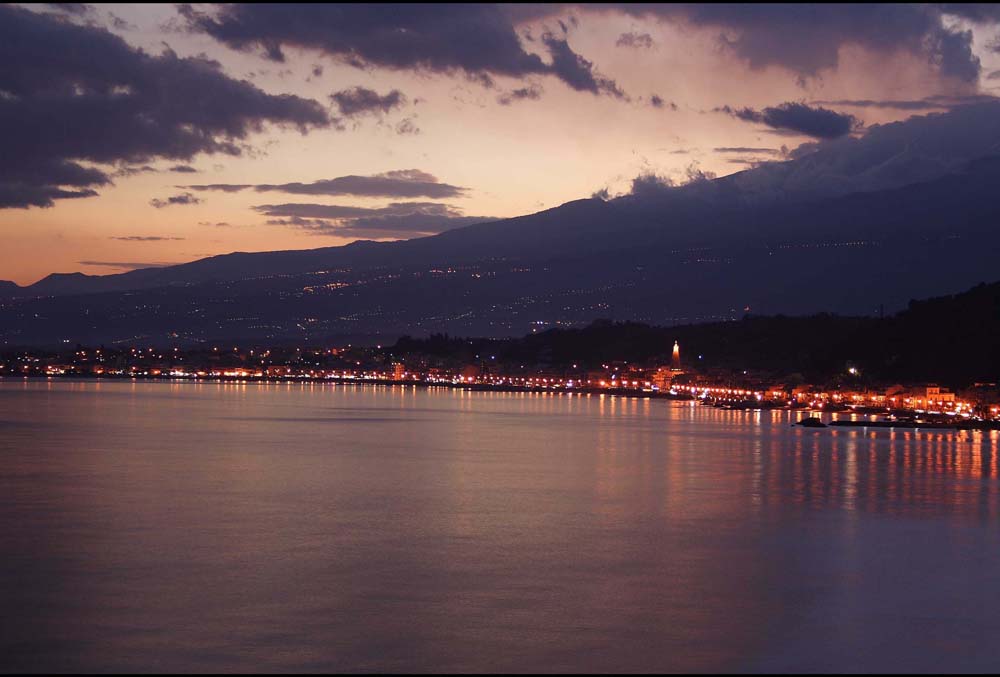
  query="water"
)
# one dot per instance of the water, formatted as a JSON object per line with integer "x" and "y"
{"x": 211, "y": 527}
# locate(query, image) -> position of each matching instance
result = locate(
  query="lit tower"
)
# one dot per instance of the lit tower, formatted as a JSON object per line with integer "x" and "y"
{"x": 675, "y": 358}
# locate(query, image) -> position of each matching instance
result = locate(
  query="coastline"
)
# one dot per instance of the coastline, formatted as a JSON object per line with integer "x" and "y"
{"x": 630, "y": 393}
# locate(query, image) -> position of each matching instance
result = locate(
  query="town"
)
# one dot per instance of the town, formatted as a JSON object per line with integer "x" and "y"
{"x": 671, "y": 377}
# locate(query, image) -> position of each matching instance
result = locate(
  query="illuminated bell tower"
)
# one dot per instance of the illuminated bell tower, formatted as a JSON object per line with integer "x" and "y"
{"x": 675, "y": 357}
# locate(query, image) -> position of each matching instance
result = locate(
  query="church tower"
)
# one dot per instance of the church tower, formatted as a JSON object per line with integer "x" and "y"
{"x": 675, "y": 357}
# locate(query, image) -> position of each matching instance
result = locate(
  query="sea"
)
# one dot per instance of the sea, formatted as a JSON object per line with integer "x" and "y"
{"x": 305, "y": 527}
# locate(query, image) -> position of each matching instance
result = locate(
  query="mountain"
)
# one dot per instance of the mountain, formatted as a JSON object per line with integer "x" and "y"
{"x": 844, "y": 229}
{"x": 8, "y": 289}
{"x": 922, "y": 149}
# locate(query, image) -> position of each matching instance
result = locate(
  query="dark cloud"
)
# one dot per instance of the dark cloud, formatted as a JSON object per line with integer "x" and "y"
{"x": 576, "y": 71}
{"x": 963, "y": 100}
{"x": 752, "y": 161}
{"x": 935, "y": 102}
{"x": 650, "y": 183}
{"x": 221, "y": 187}
{"x": 182, "y": 199}
{"x": 120, "y": 24}
{"x": 407, "y": 126}
{"x": 896, "y": 104}
{"x": 807, "y": 38}
{"x": 657, "y": 101}
{"x": 920, "y": 148}
{"x": 995, "y": 75}
{"x": 320, "y": 211}
{"x": 403, "y": 183}
{"x": 75, "y": 96}
{"x": 145, "y": 238}
{"x": 744, "y": 149}
{"x": 79, "y": 9}
{"x": 479, "y": 40}
{"x": 362, "y": 101}
{"x": 184, "y": 169}
{"x": 134, "y": 169}
{"x": 635, "y": 40}
{"x": 820, "y": 123}
{"x": 124, "y": 265}
{"x": 973, "y": 11}
{"x": 531, "y": 92}
{"x": 398, "y": 219}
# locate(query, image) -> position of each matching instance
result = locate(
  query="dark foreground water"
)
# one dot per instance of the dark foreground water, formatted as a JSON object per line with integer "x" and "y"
{"x": 157, "y": 526}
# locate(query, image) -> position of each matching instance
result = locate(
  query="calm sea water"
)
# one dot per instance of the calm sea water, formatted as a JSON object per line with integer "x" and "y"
{"x": 212, "y": 527}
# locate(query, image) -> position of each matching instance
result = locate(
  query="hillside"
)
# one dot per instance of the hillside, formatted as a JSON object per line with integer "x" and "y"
{"x": 954, "y": 340}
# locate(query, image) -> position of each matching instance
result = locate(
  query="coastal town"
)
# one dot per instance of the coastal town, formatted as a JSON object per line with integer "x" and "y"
{"x": 671, "y": 378}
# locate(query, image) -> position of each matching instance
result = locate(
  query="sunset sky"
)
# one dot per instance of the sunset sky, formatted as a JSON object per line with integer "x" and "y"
{"x": 155, "y": 134}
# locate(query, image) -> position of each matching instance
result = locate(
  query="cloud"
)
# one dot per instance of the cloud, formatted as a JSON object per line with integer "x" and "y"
{"x": 820, "y": 123}
{"x": 808, "y": 38}
{"x": 650, "y": 183}
{"x": 120, "y": 24}
{"x": 532, "y": 92}
{"x": 576, "y": 71}
{"x": 407, "y": 126}
{"x": 182, "y": 199}
{"x": 402, "y": 183}
{"x": 635, "y": 40}
{"x": 184, "y": 169}
{"x": 361, "y": 101}
{"x": 145, "y": 238}
{"x": 77, "y": 98}
{"x": 124, "y": 265}
{"x": 935, "y": 102}
{"x": 395, "y": 220}
{"x": 479, "y": 40}
{"x": 79, "y": 9}
{"x": 221, "y": 187}
{"x": 133, "y": 170}
{"x": 895, "y": 104}
{"x": 321, "y": 211}
{"x": 744, "y": 149}
{"x": 752, "y": 161}
{"x": 920, "y": 148}
{"x": 995, "y": 75}
{"x": 973, "y": 11}
{"x": 657, "y": 101}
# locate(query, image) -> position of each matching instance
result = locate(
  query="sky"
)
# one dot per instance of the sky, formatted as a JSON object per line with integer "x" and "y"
{"x": 142, "y": 135}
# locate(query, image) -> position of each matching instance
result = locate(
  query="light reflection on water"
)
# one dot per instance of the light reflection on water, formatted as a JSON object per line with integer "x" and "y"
{"x": 183, "y": 526}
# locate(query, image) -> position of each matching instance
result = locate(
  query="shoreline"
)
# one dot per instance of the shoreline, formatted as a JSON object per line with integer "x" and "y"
{"x": 634, "y": 393}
